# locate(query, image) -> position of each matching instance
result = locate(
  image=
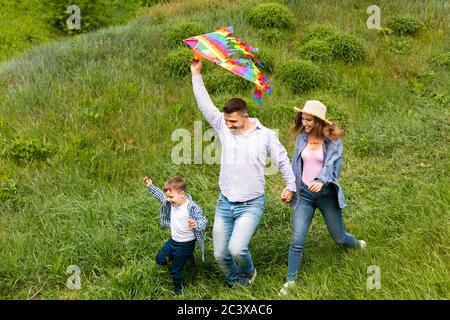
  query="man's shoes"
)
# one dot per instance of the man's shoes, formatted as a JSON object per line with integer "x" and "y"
{"x": 285, "y": 290}
{"x": 246, "y": 281}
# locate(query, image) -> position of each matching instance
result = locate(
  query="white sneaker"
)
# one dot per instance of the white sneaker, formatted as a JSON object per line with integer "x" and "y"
{"x": 247, "y": 281}
{"x": 284, "y": 291}
{"x": 253, "y": 277}
{"x": 362, "y": 244}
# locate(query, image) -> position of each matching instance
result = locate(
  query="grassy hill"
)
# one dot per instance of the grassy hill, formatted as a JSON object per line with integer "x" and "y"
{"x": 84, "y": 119}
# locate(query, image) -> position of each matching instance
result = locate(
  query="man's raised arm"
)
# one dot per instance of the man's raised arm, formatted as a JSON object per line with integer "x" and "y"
{"x": 212, "y": 115}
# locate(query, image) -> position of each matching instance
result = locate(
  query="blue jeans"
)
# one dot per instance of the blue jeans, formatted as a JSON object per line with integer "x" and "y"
{"x": 179, "y": 253}
{"x": 234, "y": 225}
{"x": 327, "y": 201}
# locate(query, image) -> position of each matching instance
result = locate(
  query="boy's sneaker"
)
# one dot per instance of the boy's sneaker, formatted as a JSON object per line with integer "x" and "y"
{"x": 247, "y": 281}
{"x": 285, "y": 290}
{"x": 178, "y": 291}
{"x": 362, "y": 244}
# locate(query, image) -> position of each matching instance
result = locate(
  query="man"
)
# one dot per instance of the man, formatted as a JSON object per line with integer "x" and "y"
{"x": 246, "y": 144}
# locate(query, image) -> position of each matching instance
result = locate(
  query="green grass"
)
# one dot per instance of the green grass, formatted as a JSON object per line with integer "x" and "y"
{"x": 105, "y": 106}
{"x": 22, "y": 26}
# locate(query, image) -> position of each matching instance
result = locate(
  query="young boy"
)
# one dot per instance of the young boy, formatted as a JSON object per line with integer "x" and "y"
{"x": 186, "y": 222}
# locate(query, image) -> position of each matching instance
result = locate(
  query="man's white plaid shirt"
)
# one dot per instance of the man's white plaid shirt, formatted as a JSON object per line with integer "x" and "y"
{"x": 194, "y": 211}
{"x": 243, "y": 157}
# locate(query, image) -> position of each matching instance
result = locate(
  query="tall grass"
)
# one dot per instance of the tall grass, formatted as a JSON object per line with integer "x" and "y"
{"x": 106, "y": 106}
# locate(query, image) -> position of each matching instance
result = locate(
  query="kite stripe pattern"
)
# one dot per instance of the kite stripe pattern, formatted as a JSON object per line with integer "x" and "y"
{"x": 232, "y": 54}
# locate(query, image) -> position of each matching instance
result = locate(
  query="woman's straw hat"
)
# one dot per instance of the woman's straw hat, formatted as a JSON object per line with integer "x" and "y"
{"x": 316, "y": 109}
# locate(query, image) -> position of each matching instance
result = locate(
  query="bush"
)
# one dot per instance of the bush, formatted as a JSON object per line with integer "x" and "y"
{"x": 316, "y": 50}
{"x": 8, "y": 189}
{"x": 267, "y": 60}
{"x": 441, "y": 60}
{"x": 271, "y": 36}
{"x": 27, "y": 150}
{"x": 271, "y": 15}
{"x": 319, "y": 32}
{"x": 183, "y": 30}
{"x": 335, "y": 112}
{"x": 405, "y": 25}
{"x": 93, "y": 14}
{"x": 300, "y": 75}
{"x": 400, "y": 46}
{"x": 254, "y": 109}
{"x": 178, "y": 61}
{"x": 220, "y": 81}
{"x": 347, "y": 48}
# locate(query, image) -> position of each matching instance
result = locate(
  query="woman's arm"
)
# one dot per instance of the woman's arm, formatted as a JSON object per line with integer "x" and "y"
{"x": 332, "y": 160}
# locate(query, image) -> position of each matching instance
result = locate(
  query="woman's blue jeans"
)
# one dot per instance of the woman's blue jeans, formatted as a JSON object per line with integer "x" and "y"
{"x": 234, "y": 226}
{"x": 327, "y": 202}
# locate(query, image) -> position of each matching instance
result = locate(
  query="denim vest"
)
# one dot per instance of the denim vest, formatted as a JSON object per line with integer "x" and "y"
{"x": 331, "y": 169}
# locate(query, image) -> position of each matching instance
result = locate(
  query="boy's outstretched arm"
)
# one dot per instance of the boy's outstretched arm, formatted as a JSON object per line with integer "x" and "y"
{"x": 154, "y": 190}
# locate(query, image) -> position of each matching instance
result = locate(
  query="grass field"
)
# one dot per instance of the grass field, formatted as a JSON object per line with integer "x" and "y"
{"x": 83, "y": 119}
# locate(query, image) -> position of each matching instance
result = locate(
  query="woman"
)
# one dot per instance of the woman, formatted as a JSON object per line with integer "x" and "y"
{"x": 316, "y": 163}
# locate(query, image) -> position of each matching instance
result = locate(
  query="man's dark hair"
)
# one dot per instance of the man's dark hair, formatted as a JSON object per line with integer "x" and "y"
{"x": 235, "y": 105}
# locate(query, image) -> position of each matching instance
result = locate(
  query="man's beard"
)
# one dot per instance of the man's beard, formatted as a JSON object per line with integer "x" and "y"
{"x": 236, "y": 130}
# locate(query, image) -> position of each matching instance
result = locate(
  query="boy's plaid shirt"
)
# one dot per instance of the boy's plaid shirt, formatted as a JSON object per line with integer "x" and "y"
{"x": 194, "y": 211}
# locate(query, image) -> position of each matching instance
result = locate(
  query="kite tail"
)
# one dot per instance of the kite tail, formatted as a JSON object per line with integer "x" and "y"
{"x": 257, "y": 95}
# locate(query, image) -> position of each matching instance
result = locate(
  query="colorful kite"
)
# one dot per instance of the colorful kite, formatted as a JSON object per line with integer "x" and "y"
{"x": 232, "y": 54}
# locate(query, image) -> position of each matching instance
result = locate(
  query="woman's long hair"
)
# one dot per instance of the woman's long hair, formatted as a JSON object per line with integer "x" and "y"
{"x": 322, "y": 129}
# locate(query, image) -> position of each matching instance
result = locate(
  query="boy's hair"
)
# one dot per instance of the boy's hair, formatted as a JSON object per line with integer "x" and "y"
{"x": 175, "y": 183}
{"x": 235, "y": 105}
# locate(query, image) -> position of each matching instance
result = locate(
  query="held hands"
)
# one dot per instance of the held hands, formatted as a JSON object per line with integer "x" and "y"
{"x": 148, "y": 182}
{"x": 315, "y": 186}
{"x": 196, "y": 67}
{"x": 286, "y": 195}
{"x": 192, "y": 224}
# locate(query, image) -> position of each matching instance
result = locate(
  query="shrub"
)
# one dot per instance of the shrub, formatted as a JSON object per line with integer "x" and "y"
{"x": 400, "y": 46}
{"x": 254, "y": 110}
{"x": 335, "y": 111}
{"x": 271, "y": 36}
{"x": 220, "y": 81}
{"x": 26, "y": 150}
{"x": 267, "y": 60}
{"x": 347, "y": 48}
{"x": 300, "y": 75}
{"x": 271, "y": 15}
{"x": 441, "y": 60}
{"x": 183, "y": 30}
{"x": 93, "y": 14}
{"x": 316, "y": 50}
{"x": 384, "y": 31}
{"x": 8, "y": 189}
{"x": 178, "y": 61}
{"x": 319, "y": 32}
{"x": 405, "y": 25}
